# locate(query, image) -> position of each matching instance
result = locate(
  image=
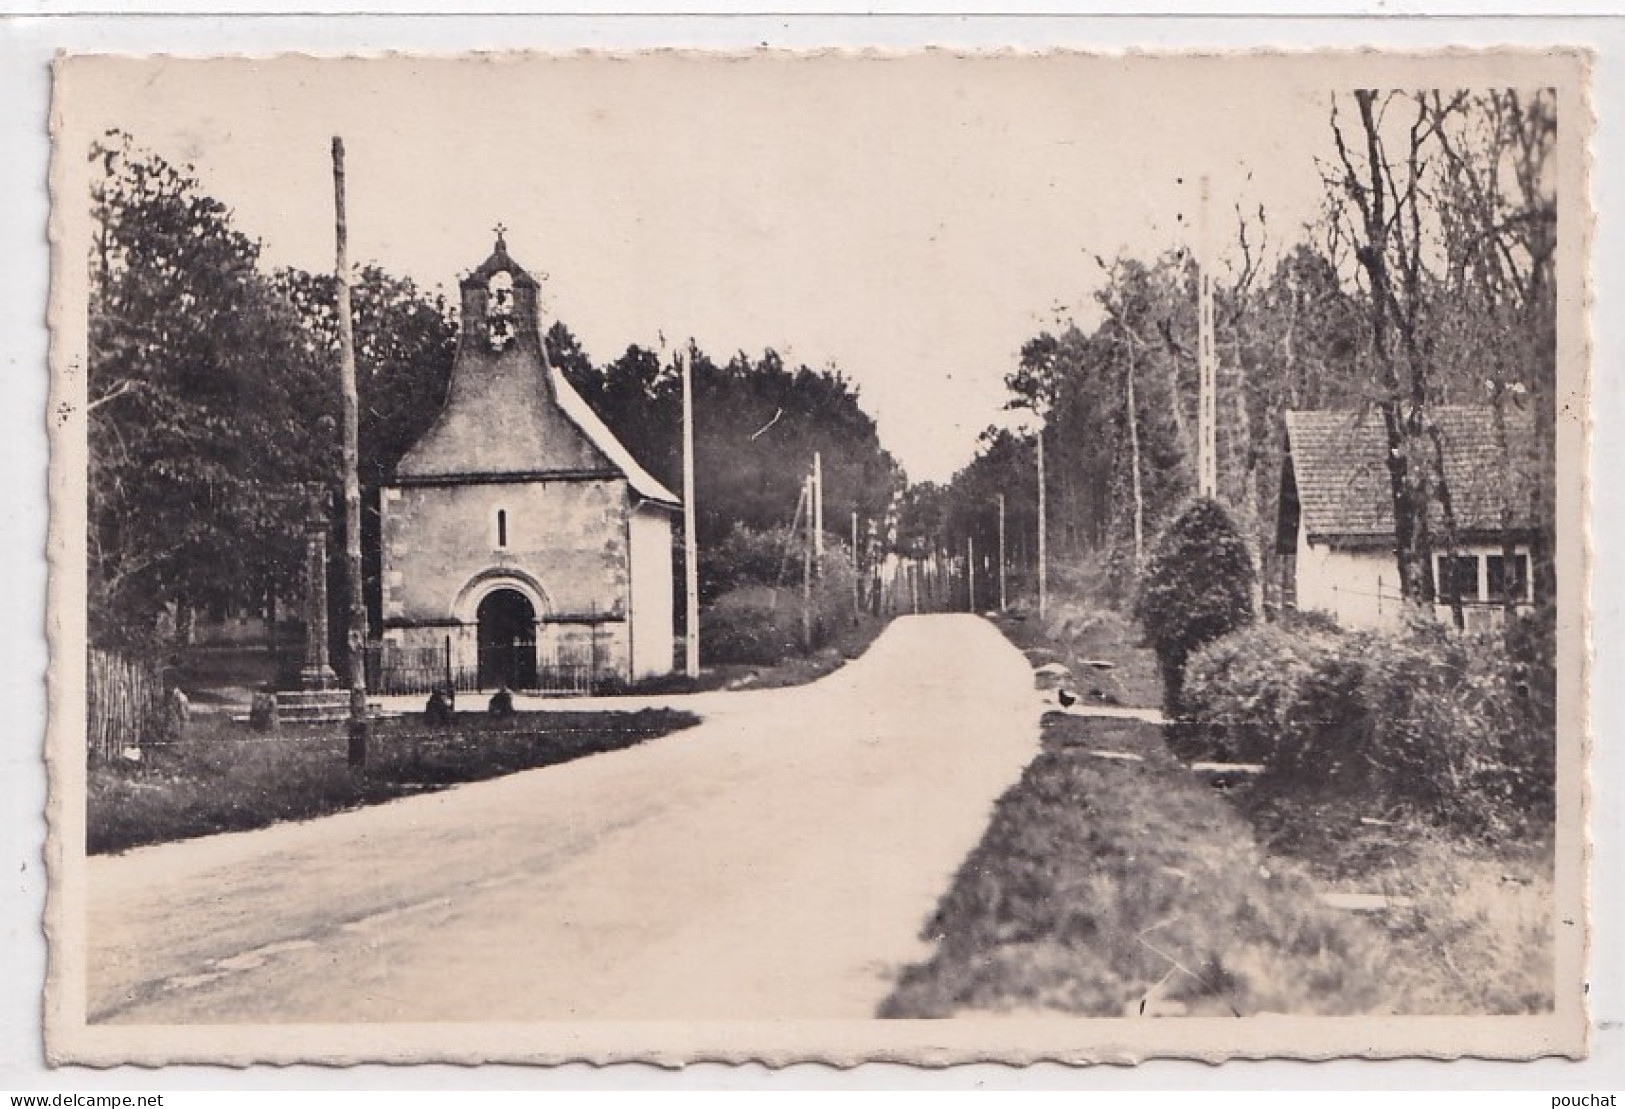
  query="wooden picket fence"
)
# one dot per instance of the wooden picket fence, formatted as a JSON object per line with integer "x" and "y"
{"x": 125, "y": 704}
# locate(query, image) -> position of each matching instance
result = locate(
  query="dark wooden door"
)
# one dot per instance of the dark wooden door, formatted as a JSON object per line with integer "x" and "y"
{"x": 507, "y": 640}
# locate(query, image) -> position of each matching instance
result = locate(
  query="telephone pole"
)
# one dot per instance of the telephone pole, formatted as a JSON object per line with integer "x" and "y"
{"x": 1003, "y": 600}
{"x": 1043, "y": 532}
{"x": 1207, "y": 469}
{"x": 807, "y": 567}
{"x": 691, "y": 550}
{"x": 970, "y": 574}
{"x": 857, "y": 581}
{"x": 818, "y": 513}
{"x": 356, "y": 629}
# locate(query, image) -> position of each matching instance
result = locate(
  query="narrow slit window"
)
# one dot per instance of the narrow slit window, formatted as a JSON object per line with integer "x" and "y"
{"x": 502, "y": 527}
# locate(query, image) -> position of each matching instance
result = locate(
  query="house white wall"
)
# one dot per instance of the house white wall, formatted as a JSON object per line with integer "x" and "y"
{"x": 1360, "y": 588}
{"x": 652, "y": 603}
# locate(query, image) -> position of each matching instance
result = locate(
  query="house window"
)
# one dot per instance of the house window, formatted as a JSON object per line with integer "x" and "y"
{"x": 1458, "y": 577}
{"x": 502, "y": 527}
{"x": 1501, "y": 584}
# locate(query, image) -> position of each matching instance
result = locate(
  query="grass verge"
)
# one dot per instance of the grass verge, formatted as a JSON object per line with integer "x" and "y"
{"x": 1113, "y": 886}
{"x": 1125, "y": 887}
{"x": 223, "y": 777}
{"x": 1469, "y": 923}
{"x": 1075, "y": 634}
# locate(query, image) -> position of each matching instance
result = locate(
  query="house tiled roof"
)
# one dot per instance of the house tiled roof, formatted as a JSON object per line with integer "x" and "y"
{"x": 1338, "y": 463}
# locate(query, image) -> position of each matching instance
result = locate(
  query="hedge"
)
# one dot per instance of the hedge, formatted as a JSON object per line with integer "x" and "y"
{"x": 1455, "y": 727}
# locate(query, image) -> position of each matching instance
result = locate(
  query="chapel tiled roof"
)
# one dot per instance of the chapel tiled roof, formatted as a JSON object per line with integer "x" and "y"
{"x": 1338, "y": 462}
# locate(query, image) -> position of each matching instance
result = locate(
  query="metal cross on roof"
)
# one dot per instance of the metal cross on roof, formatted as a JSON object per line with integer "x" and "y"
{"x": 501, "y": 231}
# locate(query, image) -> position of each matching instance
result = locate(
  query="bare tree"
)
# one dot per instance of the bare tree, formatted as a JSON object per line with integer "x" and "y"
{"x": 1384, "y": 207}
{"x": 1498, "y": 209}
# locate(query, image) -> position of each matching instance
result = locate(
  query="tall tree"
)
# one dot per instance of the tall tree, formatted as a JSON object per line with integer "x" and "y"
{"x": 202, "y": 398}
{"x": 1448, "y": 202}
{"x": 1383, "y": 204}
{"x": 1497, "y": 204}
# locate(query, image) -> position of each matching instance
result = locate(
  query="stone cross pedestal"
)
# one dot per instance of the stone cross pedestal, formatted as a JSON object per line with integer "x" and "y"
{"x": 319, "y": 698}
{"x": 316, "y": 673}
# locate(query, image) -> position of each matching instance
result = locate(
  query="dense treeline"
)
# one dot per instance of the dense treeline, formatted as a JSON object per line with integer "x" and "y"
{"x": 757, "y": 425}
{"x": 1427, "y": 280}
{"x": 214, "y": 405}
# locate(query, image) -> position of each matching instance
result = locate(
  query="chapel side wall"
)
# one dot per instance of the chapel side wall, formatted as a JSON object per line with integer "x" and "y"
{"x": 570, "y": 537}
{"x": 653, "y": 641}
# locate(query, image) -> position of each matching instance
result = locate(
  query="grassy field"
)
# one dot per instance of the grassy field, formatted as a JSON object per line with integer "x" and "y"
{"x": 1115, "y": 881}
{"x": 224, "y": 777}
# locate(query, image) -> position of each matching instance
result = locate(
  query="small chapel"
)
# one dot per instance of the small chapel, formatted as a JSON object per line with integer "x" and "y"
{"x": 522, "y": 542}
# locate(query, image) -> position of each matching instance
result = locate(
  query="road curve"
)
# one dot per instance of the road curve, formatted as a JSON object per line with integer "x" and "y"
{"x": 776, "y": 861}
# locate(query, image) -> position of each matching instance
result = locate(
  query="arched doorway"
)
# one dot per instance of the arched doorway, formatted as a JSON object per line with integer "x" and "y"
{"x": 507, "y": 640}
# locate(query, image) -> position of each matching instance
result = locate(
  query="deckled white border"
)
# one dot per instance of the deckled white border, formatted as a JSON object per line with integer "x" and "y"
{"x": 1388, "y": 1078}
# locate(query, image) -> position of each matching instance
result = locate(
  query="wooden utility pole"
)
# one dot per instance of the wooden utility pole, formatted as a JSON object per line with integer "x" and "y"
{"x": 1134, "y": 466}
{"x": 857, "y": 581}
{"x": 691, "y": 549}
{"x": 818, "y": 513}
{"x": 970, "y": 573}
{"x": 1207, "y": 469}
{"x": 356, "y": 630}
{"x": 1043, "y": 532}
{"x": 1003, "y": 598}
{"x": 807, "y": 568}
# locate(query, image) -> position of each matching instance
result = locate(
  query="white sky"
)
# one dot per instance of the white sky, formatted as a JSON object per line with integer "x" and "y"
{"x": 911, "y": 220}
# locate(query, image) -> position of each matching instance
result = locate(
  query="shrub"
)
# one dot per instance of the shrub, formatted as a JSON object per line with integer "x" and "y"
{"x": 746, "y": 626}
{"x": 1076, "y": 622}
{"x": 1197, "y": 587}
{"x": 750, "y": 556}
{"x": 1246, "y": 691}
{"x": 1419, "y": 716}
{"x": 1449, "y": 729}
{"x": 1308, "y": 620}
{"x": 761, "y": 626}
{"x": 1531, "y": 645}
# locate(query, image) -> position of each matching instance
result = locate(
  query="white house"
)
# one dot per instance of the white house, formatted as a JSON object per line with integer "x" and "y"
{"x": 521, "y": 540}
{"x": 1336, "y": 518}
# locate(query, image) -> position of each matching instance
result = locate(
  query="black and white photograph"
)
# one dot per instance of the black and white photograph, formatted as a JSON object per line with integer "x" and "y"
{"x": 849, "y": 555}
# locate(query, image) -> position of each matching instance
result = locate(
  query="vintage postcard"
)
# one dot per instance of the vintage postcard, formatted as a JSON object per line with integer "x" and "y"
{"x": 837, "y": 556}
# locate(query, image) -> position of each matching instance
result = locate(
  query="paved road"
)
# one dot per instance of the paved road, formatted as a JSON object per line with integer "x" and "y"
{"x": 778, "y": 860}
